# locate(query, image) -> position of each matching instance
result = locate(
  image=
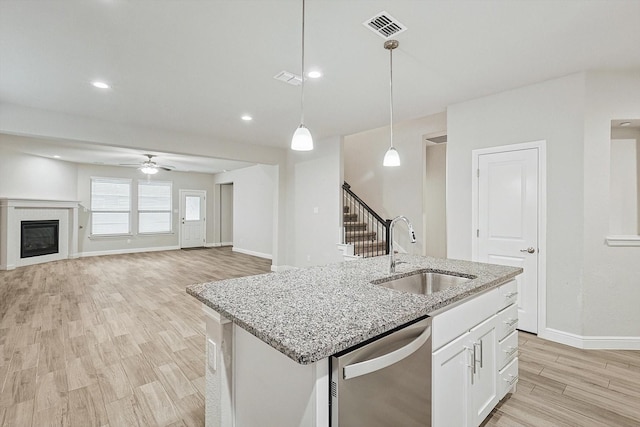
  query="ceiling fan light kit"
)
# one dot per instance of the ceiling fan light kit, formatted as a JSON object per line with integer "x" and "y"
{"x": 149, "y": 167}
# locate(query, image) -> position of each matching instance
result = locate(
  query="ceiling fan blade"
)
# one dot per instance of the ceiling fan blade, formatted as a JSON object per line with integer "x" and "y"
{"x": 129, "y": 164}
{"x": 166, "y": 168}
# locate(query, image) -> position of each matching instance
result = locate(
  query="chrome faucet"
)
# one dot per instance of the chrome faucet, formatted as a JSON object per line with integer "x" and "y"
{"x": 412, "y": 236}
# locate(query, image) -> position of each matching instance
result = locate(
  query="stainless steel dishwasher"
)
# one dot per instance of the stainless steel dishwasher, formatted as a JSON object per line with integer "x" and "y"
{"x": 385, "y": 382}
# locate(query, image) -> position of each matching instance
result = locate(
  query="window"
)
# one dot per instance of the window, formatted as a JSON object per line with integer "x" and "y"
{"x": 154, "y": 207}
{"x": 110, "y": 206}
{"x": 192, "y": 208}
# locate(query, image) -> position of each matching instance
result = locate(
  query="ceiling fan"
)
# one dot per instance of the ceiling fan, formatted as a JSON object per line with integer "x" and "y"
{"x": 149, "y": 166}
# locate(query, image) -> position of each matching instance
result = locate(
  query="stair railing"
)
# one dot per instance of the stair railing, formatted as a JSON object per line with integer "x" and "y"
{"x": 366, "y": 230}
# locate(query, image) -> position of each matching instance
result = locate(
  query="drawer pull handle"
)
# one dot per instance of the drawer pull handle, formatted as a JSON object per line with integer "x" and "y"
{"x": 512, "y": 351}
{"x": 511, "y": 322}
{"x": 481, "y": 361}
{"x": 510, "y": 294}
{"x": 511, "y": 381}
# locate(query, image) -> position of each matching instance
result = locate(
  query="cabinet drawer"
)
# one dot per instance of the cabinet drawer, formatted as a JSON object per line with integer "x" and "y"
{"x": 508, "y": 294}
{"x": 454, "y": 322}
{"x": 507, "y": 321}
{"x": 507, "y": 378}
{"x": 507, "y": 349}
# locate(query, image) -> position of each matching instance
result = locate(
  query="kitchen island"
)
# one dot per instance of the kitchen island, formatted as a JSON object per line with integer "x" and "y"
{"x": 308, "y": 315}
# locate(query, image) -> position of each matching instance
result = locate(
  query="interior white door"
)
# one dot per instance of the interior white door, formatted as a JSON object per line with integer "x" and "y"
{"x": 192, "y": 218}
{"x": 508, "y": 222}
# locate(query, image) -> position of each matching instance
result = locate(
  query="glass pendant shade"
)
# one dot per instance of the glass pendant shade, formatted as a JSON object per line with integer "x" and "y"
{"x": 302, "y": 140}
{"x": 391, "y": 157}
{"x": 149, "y": 170}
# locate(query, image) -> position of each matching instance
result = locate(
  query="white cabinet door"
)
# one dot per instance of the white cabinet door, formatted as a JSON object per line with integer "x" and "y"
{"x": 484, "y": 388}
{"x": 451, "y": 380}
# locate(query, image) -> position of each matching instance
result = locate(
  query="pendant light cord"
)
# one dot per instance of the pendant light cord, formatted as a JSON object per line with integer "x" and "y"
{"x": 302, "y": 73}
{"x": 391, "y": 93}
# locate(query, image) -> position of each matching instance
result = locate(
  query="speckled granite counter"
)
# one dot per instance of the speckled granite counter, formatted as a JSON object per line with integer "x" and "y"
{"x": 309, "y": 314}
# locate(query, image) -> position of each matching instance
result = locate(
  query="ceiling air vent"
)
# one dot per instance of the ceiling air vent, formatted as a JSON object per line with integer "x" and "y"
{"x": 290, "y": 78}
{"x": 384, "y": 25}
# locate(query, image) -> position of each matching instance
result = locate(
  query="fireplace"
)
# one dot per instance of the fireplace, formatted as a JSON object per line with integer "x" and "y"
{"x": 38, "y": 238}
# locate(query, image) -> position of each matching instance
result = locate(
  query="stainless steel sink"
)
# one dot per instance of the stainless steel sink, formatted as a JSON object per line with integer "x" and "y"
{"x": 424, "y": 283}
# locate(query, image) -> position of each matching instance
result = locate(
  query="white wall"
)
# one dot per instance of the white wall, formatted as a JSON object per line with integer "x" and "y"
{"x": 253, "y": 208}
{"x": 435, "y": 201}
{"x": 399, "y": 190}
{"x": 611, "y": 278}
{"x": 623, "y": 206}
{"x": 551, "y": 111}
{"x": 313, "y": 205}
{"x": 180, "y": 180}
{"x": 226, "y": 214}
{"x": 23, "y": 176}
{"x": 592, "y": 289}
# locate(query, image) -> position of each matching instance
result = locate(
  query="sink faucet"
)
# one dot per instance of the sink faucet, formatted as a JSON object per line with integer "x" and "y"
{"x": 412, "y": 236}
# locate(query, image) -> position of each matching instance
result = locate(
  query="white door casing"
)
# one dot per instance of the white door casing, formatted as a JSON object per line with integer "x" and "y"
{"x": 192, "y": 218}
{"x": 508, "y": 220}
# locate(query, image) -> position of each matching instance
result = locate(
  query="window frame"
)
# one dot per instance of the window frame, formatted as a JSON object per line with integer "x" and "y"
{"x": 93, "y": 211}
{"x": 169, "y": 210}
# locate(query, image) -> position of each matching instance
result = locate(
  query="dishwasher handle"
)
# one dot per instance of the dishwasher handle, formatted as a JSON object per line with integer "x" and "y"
{"x": 381, "y": 362}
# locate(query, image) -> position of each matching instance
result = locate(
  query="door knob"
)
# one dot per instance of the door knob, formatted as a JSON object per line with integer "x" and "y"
{"x": 529, "y": 250}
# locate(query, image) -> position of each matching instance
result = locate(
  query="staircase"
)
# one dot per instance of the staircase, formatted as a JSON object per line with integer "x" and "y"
{"x": 363, "y": 227}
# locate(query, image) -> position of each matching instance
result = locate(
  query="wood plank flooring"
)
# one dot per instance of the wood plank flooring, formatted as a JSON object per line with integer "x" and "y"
{"x": 564, "y": 386}
{"x": 109, "y": 341}
{"x": 115, "y": 341}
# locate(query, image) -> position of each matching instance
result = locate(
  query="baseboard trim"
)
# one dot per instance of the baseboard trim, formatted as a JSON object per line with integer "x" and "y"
{"x": 253, "y": 253}
{"x": 591, "y": 342}
{"x": 128, "y": 251}
{"x": 8, "y": 267}
{"x": 217, "y": 245}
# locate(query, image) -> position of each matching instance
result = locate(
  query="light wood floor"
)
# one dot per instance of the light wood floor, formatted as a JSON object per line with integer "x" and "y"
{"x": 564, "y": 386}
{"x": 111, "y": 340}
{"x": 116, "y": 341}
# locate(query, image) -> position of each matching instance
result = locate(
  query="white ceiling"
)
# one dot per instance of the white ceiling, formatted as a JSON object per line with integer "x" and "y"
{"x": 197, "y": 66}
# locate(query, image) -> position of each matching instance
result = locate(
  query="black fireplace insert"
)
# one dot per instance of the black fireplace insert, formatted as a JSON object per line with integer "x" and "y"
{"x": 38, "y": 238}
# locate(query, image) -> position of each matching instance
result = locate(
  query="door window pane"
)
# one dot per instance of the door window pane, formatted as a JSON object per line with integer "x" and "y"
{"x": 192, "y": 208}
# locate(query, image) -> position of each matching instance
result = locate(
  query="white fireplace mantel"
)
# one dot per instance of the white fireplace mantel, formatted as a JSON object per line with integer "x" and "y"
{"x": 13, "y": 211}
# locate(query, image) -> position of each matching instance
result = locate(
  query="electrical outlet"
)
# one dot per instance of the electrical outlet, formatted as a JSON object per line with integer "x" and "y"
{"x": 212, "y": 355}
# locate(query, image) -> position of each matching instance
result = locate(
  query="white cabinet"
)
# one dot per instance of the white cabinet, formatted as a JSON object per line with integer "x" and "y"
{"x": 464, "y": 378}
{"x": 475, "y": 369}
{"x": 484, "y": 390}
{"x": 451, "y": 379}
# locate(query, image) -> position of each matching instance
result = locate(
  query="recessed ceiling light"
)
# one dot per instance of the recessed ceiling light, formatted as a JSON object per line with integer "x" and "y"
{"x": 625, "y": 124}
{"x": 56, "y": 157}
{"x": 247, "y": 118}
{"x": 100, "y": 85}
{"x": 314, "y": 74}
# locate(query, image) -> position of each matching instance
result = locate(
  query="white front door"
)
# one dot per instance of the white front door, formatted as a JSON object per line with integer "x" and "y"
{"x": 507, "y": 220}
{"x": 192, "y": 218}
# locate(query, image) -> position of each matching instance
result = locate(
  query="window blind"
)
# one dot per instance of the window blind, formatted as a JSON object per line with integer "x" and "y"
{"x": 154, "y": 207}
{"x": 110, "y": 206}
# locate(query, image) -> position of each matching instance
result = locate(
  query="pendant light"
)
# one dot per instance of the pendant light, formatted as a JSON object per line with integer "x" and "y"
{"x": 302, "y": 140}
{"x": 391, "y": 158}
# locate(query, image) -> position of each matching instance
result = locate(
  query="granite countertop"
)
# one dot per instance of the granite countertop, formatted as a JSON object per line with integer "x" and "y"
{"x": 311, "y": 313}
